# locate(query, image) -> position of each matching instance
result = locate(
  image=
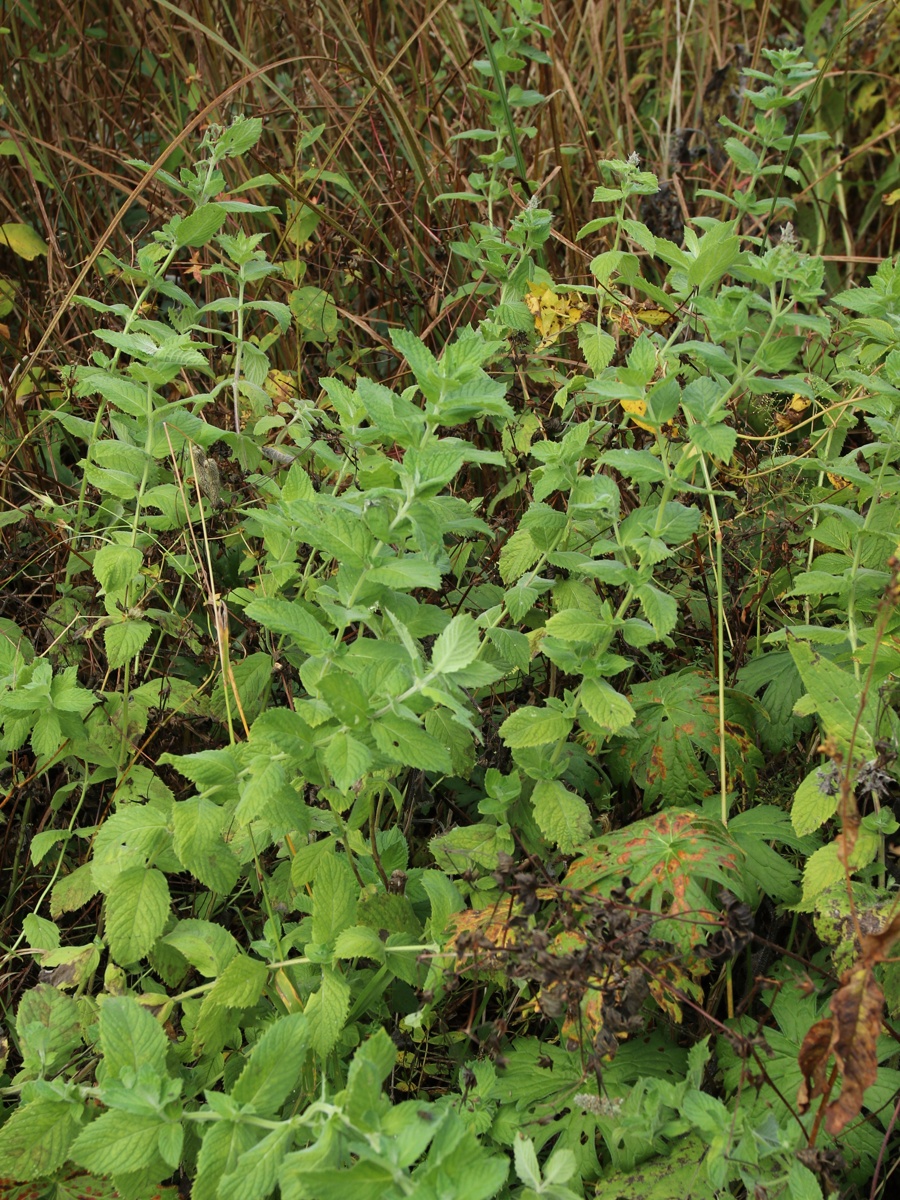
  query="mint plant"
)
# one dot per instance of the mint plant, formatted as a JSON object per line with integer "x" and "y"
{"x": 469, "y": 720}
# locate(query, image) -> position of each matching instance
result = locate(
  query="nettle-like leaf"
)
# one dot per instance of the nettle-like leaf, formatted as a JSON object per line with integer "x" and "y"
{"x": 676, "y": 733}
{"x": 672, "y": 862}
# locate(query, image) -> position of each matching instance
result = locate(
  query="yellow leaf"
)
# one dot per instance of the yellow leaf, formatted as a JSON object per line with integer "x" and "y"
{"x": 554, "y": 312}
{"x": 793, "y": 414}
{"x": 22, "y": 240}
{"x": 635, "y": 409}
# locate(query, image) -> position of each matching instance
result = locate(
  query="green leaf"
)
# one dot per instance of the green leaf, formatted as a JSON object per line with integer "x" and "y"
{"x": 346, "y": 760}
{"x": 518, "y": 554}
{"x": 371, "y": 1066}
{"x": 813, "y": 805}
{"x": 256, "y": 1172}
{"x": 457, "y": 646}
{"x": 200, "y": 846}
{"x": 22, "y": 240}
{"x": 207, "y": 946}
{"x": 48, "y": 1028}
{"x": 406, "y": 743}
{"x": 315, "y": 312}
{"x": 35, "y": 1140}
{"x": 118, "y": 1142}
{"x": 327, "y": 1011}
{"x": 124, "y": 640}
{"x": 273, "y": 1069}
{"x": 660, "y": 609}
{"x": 563, "y": 818}
{"x": 334, "y": 899}
{"x": 681, "y": 1172}
{"x": 115, "y": 567}
{"x": 130, "y": 1038}
{"x": 198, "y": 227}
{"x": 132, "y": 835}
{"x": 223, "y": 1144}
{"x": 406, "y": 573}
{"x": 241, "y": 983}
{"x": 526, "y": 1161}
{"x": 292, "y": 619}
{"x": 137, "y": 906}
{"x": 534, "y": 727}
{"x": 359, "y": 942}
{"x": 717, "y": 440}
{"x": 837, "y": 697}
{"x": 612, "y": 711}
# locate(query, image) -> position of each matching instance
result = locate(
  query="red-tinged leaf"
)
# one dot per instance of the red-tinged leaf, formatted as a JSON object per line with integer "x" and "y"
{"x": 670, "y": 860}
{"x": 676, "y": 735}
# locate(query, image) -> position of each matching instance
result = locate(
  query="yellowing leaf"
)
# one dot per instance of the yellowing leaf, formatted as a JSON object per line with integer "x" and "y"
{"x": 793, "y": 414}
{"x": 554, "y": 312}
{"x": 635, "y": 409}
{"x": 22, "y": 240}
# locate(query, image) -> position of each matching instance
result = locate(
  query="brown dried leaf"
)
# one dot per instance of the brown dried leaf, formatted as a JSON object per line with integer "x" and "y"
{"x": 813, "y": 1057}
{"x": 857, "y": 1007}
{"x": 876, "y": 947}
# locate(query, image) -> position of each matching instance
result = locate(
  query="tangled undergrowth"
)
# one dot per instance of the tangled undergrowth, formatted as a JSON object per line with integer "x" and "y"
{"x": 449, "y": 630}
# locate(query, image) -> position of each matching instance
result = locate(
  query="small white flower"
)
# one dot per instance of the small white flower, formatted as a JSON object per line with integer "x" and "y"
{"x": 634, "y": 159}
{"x": 788, "y": 237}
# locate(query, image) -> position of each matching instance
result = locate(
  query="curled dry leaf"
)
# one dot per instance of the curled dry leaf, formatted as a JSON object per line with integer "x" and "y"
{"x": 850, "y": 1034}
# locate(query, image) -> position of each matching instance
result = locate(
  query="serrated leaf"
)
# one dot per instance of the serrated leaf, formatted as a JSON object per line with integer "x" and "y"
{"x": 256, "y": 1172}
{"x": 606, "y": 706}
{"x": 837, "y": 697}
{"x": 200, "y": 846}
{"x": 130, "y": 1037}
{"x": 71, "y": 892}
{"x": 241, "y": 983}
{"x": 334, "y": 899}
{"x": 534, "y": 727}
{"x": 48, "y": 1029}
{"x": 327, "y": 1011}
{"x": 285, "y": 617}
{"x": 137, "y": 906}
{"x": 198, "y": 227}
{"x": 359, "y": 942}
{"x": 114, "y": 567}
{"x": 118, "y": 1142}
{"x": 813, "y": 805}
{"x": 124, "y": 640}
{"x": 518, "y": 554}
{"x": 457, "y": 646}
{"x": 660, "y": 609}
{"x": 273, "y": 1069}
{"x": 223, "y": 1144}
{"x": 35, "y": 1140}
{"x": 407, "y": 743}
{"x": 562, "y": 817}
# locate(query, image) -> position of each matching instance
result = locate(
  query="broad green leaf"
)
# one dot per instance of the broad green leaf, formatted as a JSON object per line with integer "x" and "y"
{"x": 578, "y": 625}
{"x": 472, "y": 846}
{"x": 660, "y": 609}
{"x": 115, "y": 567}
{"x": 406, "y": 573}
{"x": 347, "y": 760}
{"x": 137, "y": 906}
{"x": 124, "y": 640}
{"x": 681, "y": 1172}
{"x": 327, "y": 1011}
{"x": 346, "y": 698}
{"x": 534, "y": 727}
{"x": 563, "y": 818}
{"x": 285, "y": 617}
{"x": 444, "y": 898}
{"x": 22, "y": 240}
{"x": 35, "y": 1140}
{"x": 815, "y": 801}
{"x": 406, "y": 743}
{"x": 824, "y": 867}
{"x": 256, "y": 1172}
{"x": 223, "y": 1144}
{"x": 200, "y": 226}
{"x": 315, "y": 312}
{"x": 48, "y": 1029}
{"x": 130, "y": 1037}
{"x": 241, "y": 983}
{"x": 837, "y": 697}
{"x": 200, "y": 846}
{"x": 72, "y": 891}
{"x": 457, "y": 646}
{"x": 372, "y": 1064}
{"x": 207, "y": 946}
{"x": 527, "y": 1167}
{"x": 518, "y": 554}
{"x": 605, "y": 705}
{"x": 273, "y": 1069}
{"x": 334, "y": 899}
{"x": 118, "y": 1142}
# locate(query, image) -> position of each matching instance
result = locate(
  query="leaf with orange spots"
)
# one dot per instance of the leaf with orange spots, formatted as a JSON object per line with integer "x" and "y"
{"x": 675, "y": 735}
{"x": 671, "y": 860}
